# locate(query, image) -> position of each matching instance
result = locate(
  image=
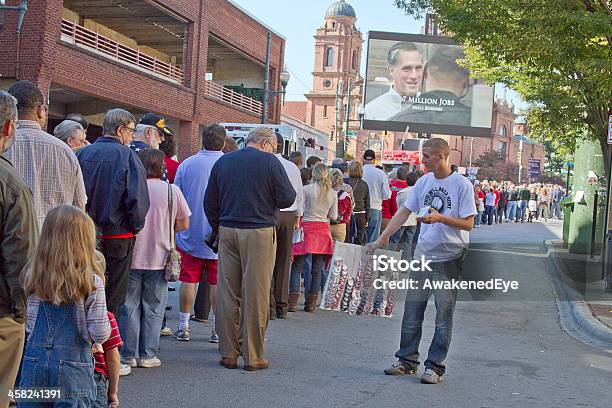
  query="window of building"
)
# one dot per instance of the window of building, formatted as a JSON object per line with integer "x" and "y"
{"x": 502, "y": 148}
{"x": 327, "y": 83}
{"x": 354, "y": 60}
{"x": 329, "y": 57}
{"x": 325, "y": 111}
{"x": 502, "y": 131}
{"x": 334, "y": 24}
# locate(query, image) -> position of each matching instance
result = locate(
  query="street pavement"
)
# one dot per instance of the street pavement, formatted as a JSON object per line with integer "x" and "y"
{"x": 504, "y": 353}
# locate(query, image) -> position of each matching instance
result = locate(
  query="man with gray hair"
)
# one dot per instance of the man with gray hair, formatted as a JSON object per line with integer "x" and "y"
{"x": 150, "y": 132}
{"x": 18, "y": 235}
{"x": 46, "y": 163}
{"x": 245, "y": 190}
{"x": 71, "y": 133}
{"x": 405, "y": 62}
{"x": 116, "y": 184}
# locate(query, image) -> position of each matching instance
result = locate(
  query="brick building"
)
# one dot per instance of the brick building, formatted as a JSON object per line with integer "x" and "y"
{"x": 195, "y": 62}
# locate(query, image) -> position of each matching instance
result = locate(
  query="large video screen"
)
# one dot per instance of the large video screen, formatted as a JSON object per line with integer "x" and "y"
{"x": 415, "y": 83}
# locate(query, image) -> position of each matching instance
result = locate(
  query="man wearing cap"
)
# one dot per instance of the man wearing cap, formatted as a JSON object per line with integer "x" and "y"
{"x": 150, "y": 132}
{"x": 378, "y": 184}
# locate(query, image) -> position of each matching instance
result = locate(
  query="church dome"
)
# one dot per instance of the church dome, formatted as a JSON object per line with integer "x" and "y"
{"x": 340, "y": 9}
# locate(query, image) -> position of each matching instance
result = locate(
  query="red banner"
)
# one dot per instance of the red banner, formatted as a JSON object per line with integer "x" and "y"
{"x": 401, "y": 156}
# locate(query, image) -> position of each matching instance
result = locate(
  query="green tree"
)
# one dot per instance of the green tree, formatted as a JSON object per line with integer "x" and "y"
{"x": 557, "y": 54}
{"x": 492, "y": 165}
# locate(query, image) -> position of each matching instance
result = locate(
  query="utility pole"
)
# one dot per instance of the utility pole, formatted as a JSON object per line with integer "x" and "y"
{"x": 347, "y": 118}
{"x": 520, "y": 160}
{"x": 264, "y": 113}
{"x": 339, "y": 91}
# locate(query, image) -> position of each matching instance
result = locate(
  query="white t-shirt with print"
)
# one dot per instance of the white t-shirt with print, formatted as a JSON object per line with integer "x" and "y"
{"x": 452, "y": 196}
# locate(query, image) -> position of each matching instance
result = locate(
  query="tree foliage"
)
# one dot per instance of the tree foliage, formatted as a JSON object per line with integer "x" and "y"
{"x": 557, "y": 54}
{"x": 492, "y": 165}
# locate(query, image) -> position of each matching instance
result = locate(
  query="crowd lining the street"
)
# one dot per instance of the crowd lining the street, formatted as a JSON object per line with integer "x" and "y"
{"x": 89, "y": 231}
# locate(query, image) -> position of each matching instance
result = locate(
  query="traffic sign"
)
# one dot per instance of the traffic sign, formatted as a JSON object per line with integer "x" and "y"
{"x": 351, "y": 133}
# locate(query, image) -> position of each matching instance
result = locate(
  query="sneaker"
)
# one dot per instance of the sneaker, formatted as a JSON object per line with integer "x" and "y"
{"x": 166, "y": 331}
{"x": 182, "y": 334}
{"x": 149, "y": 362}
{"x": 431, "y": 377}
{"x": 399, "y": 368}
{"x": 213, "y": 337}
{"x": 124, "y": 369}
{"x": 129, "y": 362}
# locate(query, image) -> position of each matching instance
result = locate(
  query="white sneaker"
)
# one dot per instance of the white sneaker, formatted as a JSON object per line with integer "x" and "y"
{"x": 129, "y": 362}
{"x": 149, "y": 362}
{"x": 166, "y": 331}
{"x": 213, "y": 337}
{"x": 124, "y": 369}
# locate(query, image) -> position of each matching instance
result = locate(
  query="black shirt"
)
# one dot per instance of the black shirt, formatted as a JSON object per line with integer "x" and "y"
{"x": 245, "y": 189}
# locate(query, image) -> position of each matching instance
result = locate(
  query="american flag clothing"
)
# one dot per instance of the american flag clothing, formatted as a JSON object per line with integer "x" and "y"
{"x": 91, "y": 315}
{"x": 49, "y": 167}
{"x": 114, "y": 341}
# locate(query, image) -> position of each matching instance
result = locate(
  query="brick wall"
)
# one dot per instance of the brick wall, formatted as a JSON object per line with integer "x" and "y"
{"x": 43, "y": 59}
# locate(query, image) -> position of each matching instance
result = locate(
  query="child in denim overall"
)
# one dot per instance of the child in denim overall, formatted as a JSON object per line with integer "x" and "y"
{"x": 66, "y": 309}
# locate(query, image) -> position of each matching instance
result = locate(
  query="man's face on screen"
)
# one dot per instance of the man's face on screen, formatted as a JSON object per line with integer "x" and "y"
{"x": 407, "y": 73}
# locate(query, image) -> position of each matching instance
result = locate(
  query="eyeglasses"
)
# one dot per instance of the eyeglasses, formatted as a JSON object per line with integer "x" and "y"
{"x": 132, "y": 130}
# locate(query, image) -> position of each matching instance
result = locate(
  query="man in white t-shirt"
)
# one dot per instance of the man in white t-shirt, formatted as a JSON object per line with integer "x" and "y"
{"x": 443, "y": 239}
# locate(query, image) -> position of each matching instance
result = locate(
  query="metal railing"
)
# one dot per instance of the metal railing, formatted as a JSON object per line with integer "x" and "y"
{"x": 83, "y": 37}
{"x": 222, "y": 93}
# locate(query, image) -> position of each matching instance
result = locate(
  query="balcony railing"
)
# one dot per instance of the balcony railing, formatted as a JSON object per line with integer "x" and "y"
{"x": 234, "y": 98}
{"x": 83, "y": 37}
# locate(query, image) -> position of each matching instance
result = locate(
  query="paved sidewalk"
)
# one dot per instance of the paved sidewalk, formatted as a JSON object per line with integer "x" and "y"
{"x": 585, "y": 308}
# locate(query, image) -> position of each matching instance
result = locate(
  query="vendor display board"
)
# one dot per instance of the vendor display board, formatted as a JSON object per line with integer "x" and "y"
{"x": 350, "y": 282}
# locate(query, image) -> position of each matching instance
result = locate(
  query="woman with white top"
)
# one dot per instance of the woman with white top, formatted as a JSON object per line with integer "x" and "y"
{"x": 320, "y": 206}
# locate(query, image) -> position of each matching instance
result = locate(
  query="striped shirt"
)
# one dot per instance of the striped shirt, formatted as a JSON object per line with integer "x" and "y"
{"x": 49, "y": 167}
{"x": 113, "y": 341}
{"x": 91, "y": 315}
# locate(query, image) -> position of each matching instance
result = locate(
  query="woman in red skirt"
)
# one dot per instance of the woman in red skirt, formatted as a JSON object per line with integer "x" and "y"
{"x": 320, "y": 206}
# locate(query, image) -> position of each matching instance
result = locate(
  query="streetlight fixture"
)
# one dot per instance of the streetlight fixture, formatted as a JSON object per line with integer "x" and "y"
{"x": 284, "y": 79}
{"x": 22, "y": 8}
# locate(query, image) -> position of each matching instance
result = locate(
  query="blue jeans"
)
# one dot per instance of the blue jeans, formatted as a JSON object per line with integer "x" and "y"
{"x": 489, "y": 210}
{"x": 297, "y": 268}
{"x": 102, "y": 386}
{"x": 414, "y": 312}
{"x": 142, "y": 313}
{"x": 478, "y": 218}
{"x": 523, "y": 208}
{"x": 57, "y": 356}
{"x": 555, "y": 209}
{"x": 512, "y": 210}
{"x": 294, "y": 279}
{"x": 374, "y": 223}
{"x": 404, "y": 237}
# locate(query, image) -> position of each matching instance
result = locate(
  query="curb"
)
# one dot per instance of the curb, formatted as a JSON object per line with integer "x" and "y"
{"x": 576, "y": 317}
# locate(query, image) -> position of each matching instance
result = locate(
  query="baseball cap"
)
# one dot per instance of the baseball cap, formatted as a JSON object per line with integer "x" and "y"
{"x": 369, "y": 155}
{"x": 152, "y": 119}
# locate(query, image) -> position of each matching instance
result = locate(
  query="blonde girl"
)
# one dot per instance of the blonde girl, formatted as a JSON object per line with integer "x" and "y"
{"x": 320, "y": 206}
{"x": 66, "y": 308}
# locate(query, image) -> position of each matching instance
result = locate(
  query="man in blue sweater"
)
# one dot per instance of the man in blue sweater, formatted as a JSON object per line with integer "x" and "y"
{"x": 245, "y": 190}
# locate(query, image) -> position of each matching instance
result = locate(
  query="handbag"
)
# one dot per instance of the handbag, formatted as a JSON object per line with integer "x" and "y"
{"x": 173, "y": 262}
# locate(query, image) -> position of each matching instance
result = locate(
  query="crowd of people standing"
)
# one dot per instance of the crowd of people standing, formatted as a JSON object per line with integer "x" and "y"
{"x": 89, "y": 232}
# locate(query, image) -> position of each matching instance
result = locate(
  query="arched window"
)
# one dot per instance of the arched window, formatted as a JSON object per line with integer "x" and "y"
{"x": 329, "y": 57}
{"x": 333, "y": 24}
{"x": 354, "y": 60}
{"x": 502, "y": 131}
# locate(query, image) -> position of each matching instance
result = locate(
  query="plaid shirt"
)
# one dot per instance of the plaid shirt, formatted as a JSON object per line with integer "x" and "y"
{"x": 49, "y": 167}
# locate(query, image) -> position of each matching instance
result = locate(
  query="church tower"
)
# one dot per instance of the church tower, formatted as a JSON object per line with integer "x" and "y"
{"x": 338, "y": 45}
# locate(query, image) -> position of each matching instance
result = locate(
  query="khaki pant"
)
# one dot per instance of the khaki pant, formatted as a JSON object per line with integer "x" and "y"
{"x": 279, "y": 291}
{"x": 338, "y": 232}
{"x": 246, "y": 262}
{"x": 12, "y": 335}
